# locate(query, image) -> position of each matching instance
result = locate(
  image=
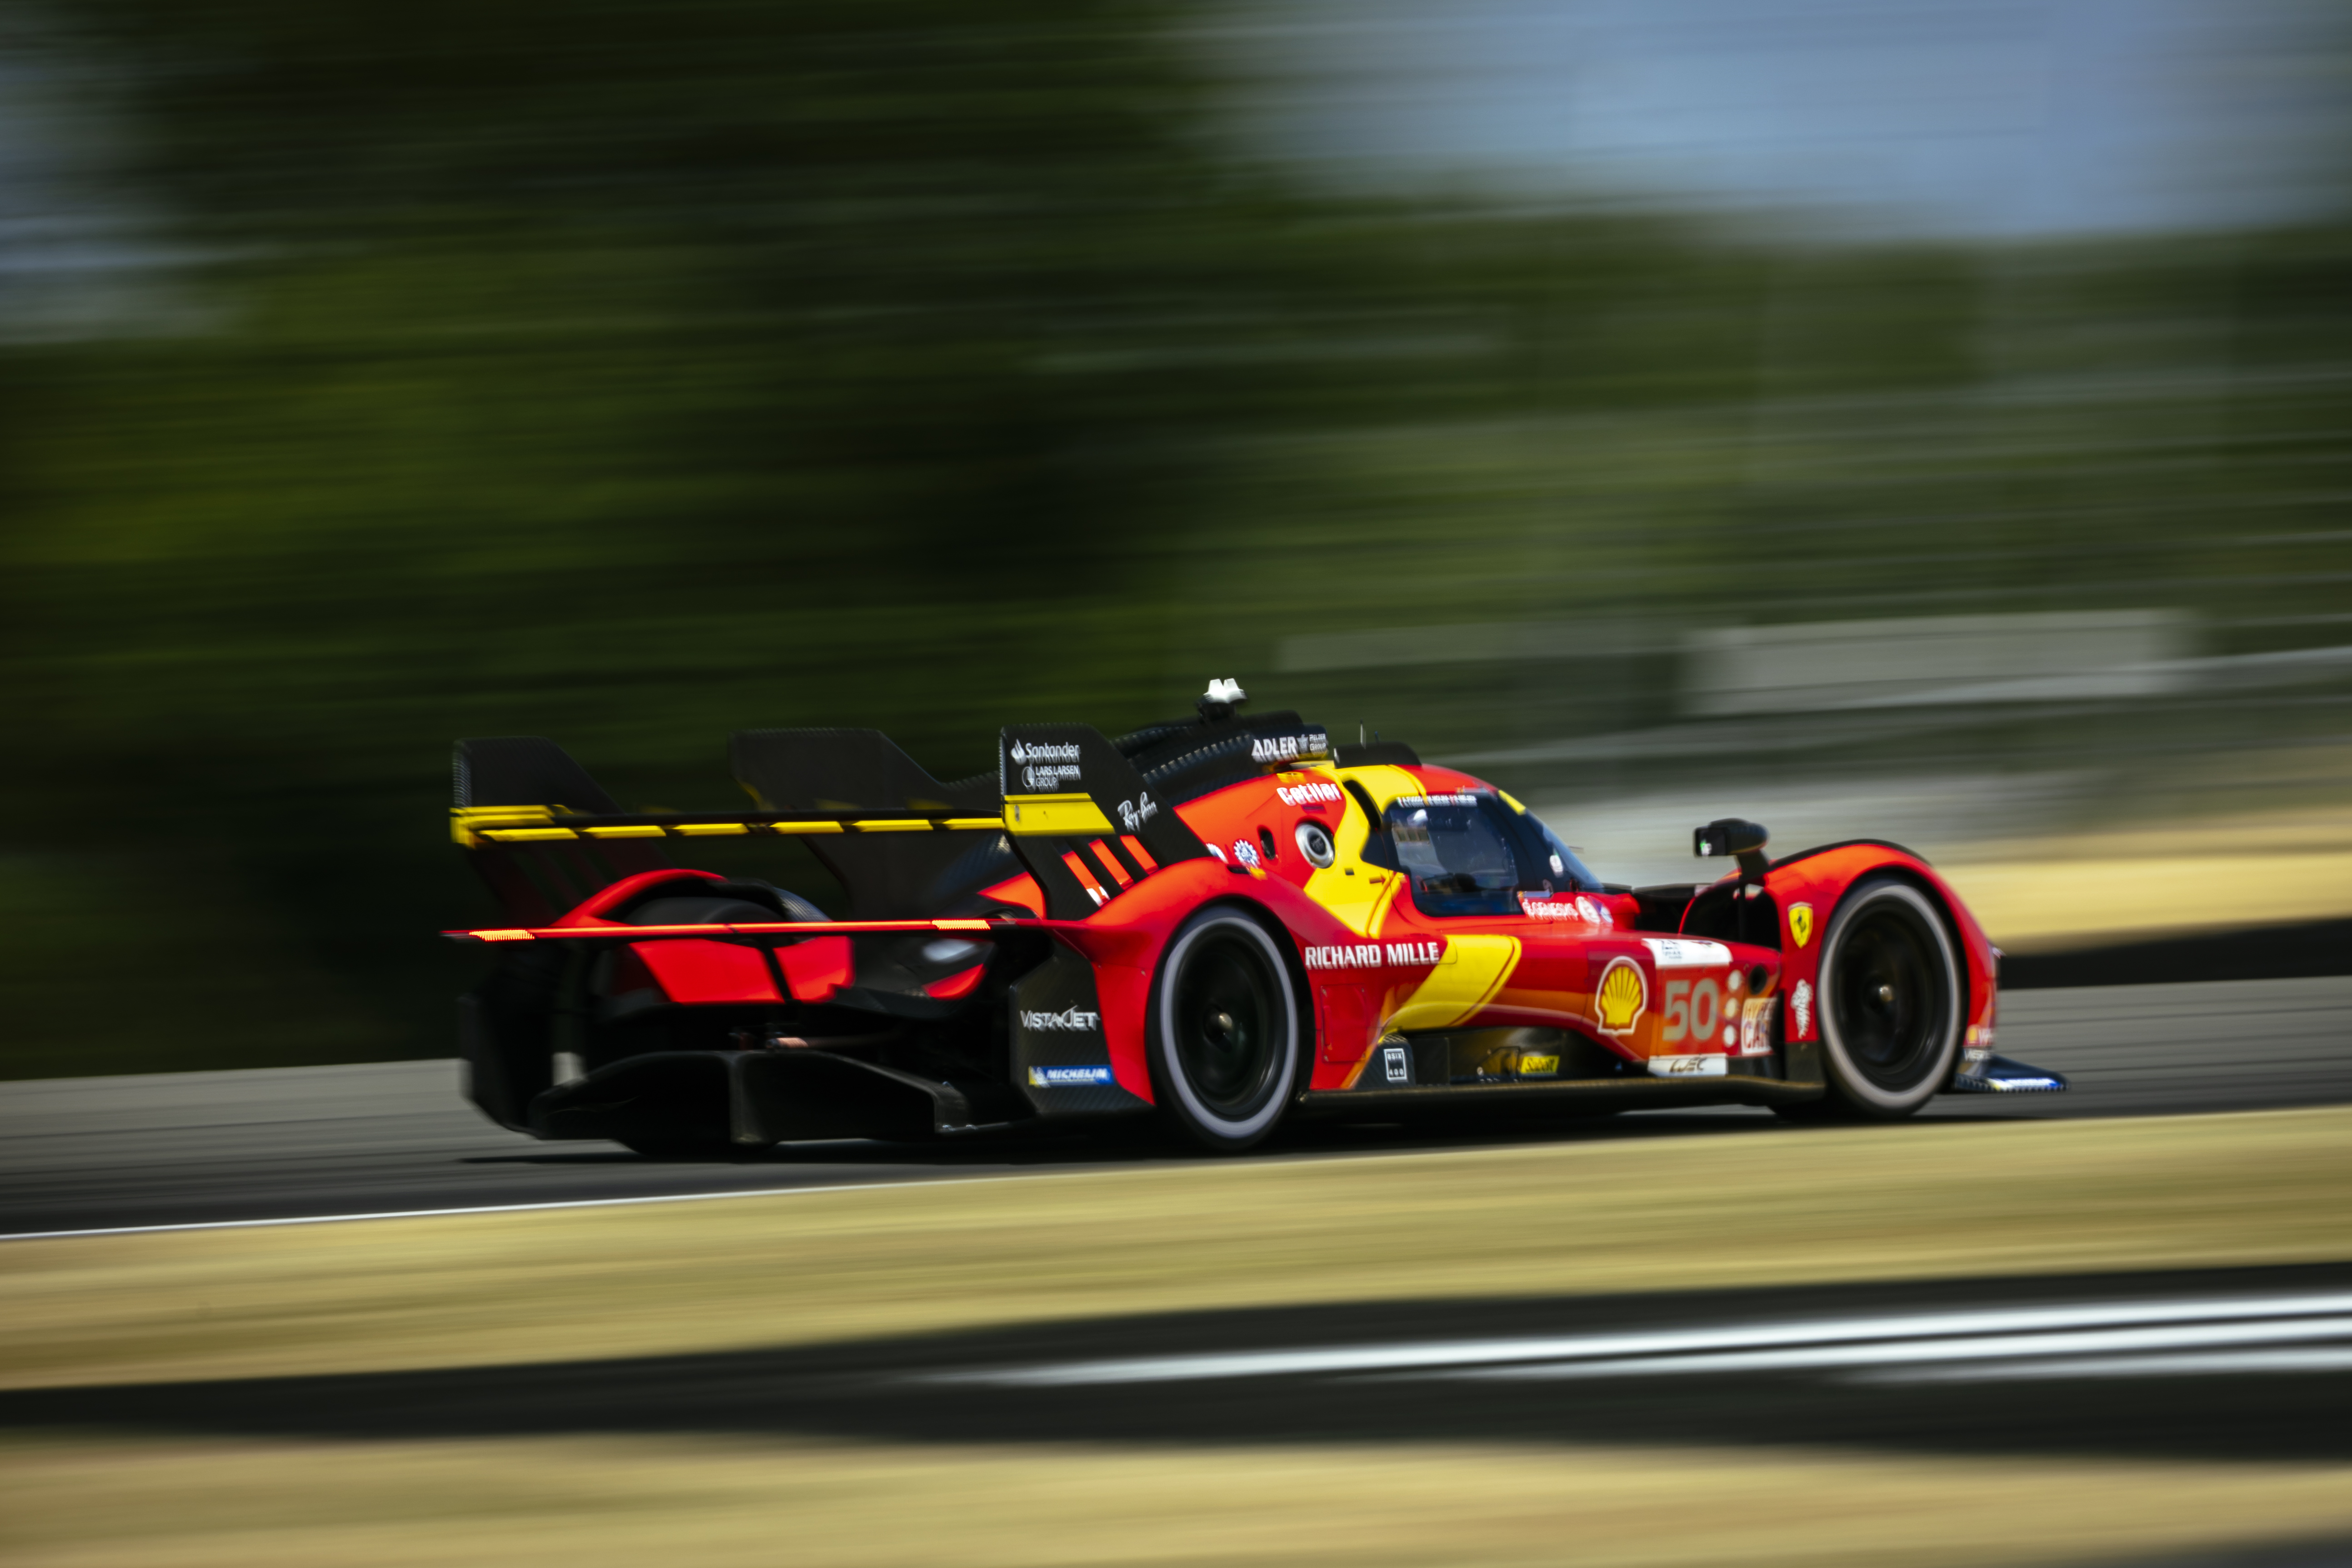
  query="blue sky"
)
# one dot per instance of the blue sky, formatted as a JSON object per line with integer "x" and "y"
{"x": 1989, "y": 118}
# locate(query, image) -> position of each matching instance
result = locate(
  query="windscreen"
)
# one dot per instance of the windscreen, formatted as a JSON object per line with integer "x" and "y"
{"x": 1458, "y": 857}
{"x": 1557, "y": 869}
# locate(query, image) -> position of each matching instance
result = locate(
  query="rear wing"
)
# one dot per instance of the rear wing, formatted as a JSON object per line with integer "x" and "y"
{"x": 474, "y": 828}
{"x": 751, "y": 930}
{"x": 1064, "y": 805}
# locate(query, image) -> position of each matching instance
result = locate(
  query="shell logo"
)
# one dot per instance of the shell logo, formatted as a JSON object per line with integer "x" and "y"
{"x": 1622, "y": 995}
{"x": 1801, "y": 923}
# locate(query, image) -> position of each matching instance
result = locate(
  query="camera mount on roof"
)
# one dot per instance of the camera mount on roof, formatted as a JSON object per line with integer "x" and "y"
{"x": 1219, "y": 700}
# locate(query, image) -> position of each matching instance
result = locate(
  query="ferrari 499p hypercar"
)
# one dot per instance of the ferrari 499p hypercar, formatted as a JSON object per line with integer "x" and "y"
{"x": 1226, "y": 921}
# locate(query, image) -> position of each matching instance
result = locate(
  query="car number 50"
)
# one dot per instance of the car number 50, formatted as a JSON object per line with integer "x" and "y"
{"x": 1693, "y": 1010}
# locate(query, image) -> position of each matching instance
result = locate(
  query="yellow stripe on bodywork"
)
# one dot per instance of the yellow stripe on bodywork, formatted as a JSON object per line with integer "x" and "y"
{"x": 467, "y": 822}
{"x": 1383, "y": 785}
{"x": 1473, "y": 969}
{"x": 1062, "y": 814}
{"x": 1357, "y": 894}
{"x": 475, "y": 826}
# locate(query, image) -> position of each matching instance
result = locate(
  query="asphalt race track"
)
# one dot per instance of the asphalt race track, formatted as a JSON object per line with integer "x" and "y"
{"x": 2107, "y": 1390}
{"x": 2243, "y": 1364}
{"x": 391, "y": 1137}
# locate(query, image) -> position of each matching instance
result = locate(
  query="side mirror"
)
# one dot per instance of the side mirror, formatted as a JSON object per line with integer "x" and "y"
{"x": 1732, "y": 837}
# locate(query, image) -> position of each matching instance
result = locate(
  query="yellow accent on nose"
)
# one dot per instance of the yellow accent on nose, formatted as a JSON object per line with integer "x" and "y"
{"x": 1473, "y": 970}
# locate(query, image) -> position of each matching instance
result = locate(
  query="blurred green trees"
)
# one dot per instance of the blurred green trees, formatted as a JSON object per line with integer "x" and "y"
{"x": 633, "y": 373}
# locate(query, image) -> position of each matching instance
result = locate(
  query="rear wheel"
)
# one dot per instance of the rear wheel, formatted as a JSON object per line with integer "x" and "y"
{"x": 1224, "y": 1032}
{"x": 1890, "y": 999}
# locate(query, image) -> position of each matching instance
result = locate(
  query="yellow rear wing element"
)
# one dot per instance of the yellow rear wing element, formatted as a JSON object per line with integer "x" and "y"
{"x": 479, "y": 826}
{"x": 1057, "y": 813}
{"x": 607, "y": 932}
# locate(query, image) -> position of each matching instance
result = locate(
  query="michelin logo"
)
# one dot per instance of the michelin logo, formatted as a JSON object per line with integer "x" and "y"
{"x": 1064, "y": 1077}
{"x": 1069, "y": 1019}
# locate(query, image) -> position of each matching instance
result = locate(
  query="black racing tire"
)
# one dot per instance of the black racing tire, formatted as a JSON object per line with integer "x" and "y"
{"x": 1890, "y": 998}
{"x": 1224, "y": 1032}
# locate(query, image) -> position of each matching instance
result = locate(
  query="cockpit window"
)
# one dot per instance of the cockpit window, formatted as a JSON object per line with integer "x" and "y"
{"x": 1557, "y": 867}
{"x": 1458, "y": 856}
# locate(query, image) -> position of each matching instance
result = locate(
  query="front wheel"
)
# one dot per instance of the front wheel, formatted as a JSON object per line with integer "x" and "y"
{"x": 1225, "y": 1031}
{"x": 1891, "y": 997}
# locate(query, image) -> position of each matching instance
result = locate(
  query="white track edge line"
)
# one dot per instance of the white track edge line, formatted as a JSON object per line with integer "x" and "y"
{"x": 1458, "y": 1356}
{"x": 812, "y": 1190}
{"x": 1097, "y": 1171}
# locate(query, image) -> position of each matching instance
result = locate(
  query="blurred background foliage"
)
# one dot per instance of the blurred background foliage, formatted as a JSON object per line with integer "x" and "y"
{"x": 630, "y": 374}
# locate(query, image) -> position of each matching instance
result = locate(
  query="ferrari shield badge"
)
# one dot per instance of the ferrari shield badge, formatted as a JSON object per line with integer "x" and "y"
{"x": 1621, "y": 996}
{"x": 1801, "y": 923}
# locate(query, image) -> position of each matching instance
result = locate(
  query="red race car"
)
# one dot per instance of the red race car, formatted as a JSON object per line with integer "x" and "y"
{"x": 1226, "y": 921}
